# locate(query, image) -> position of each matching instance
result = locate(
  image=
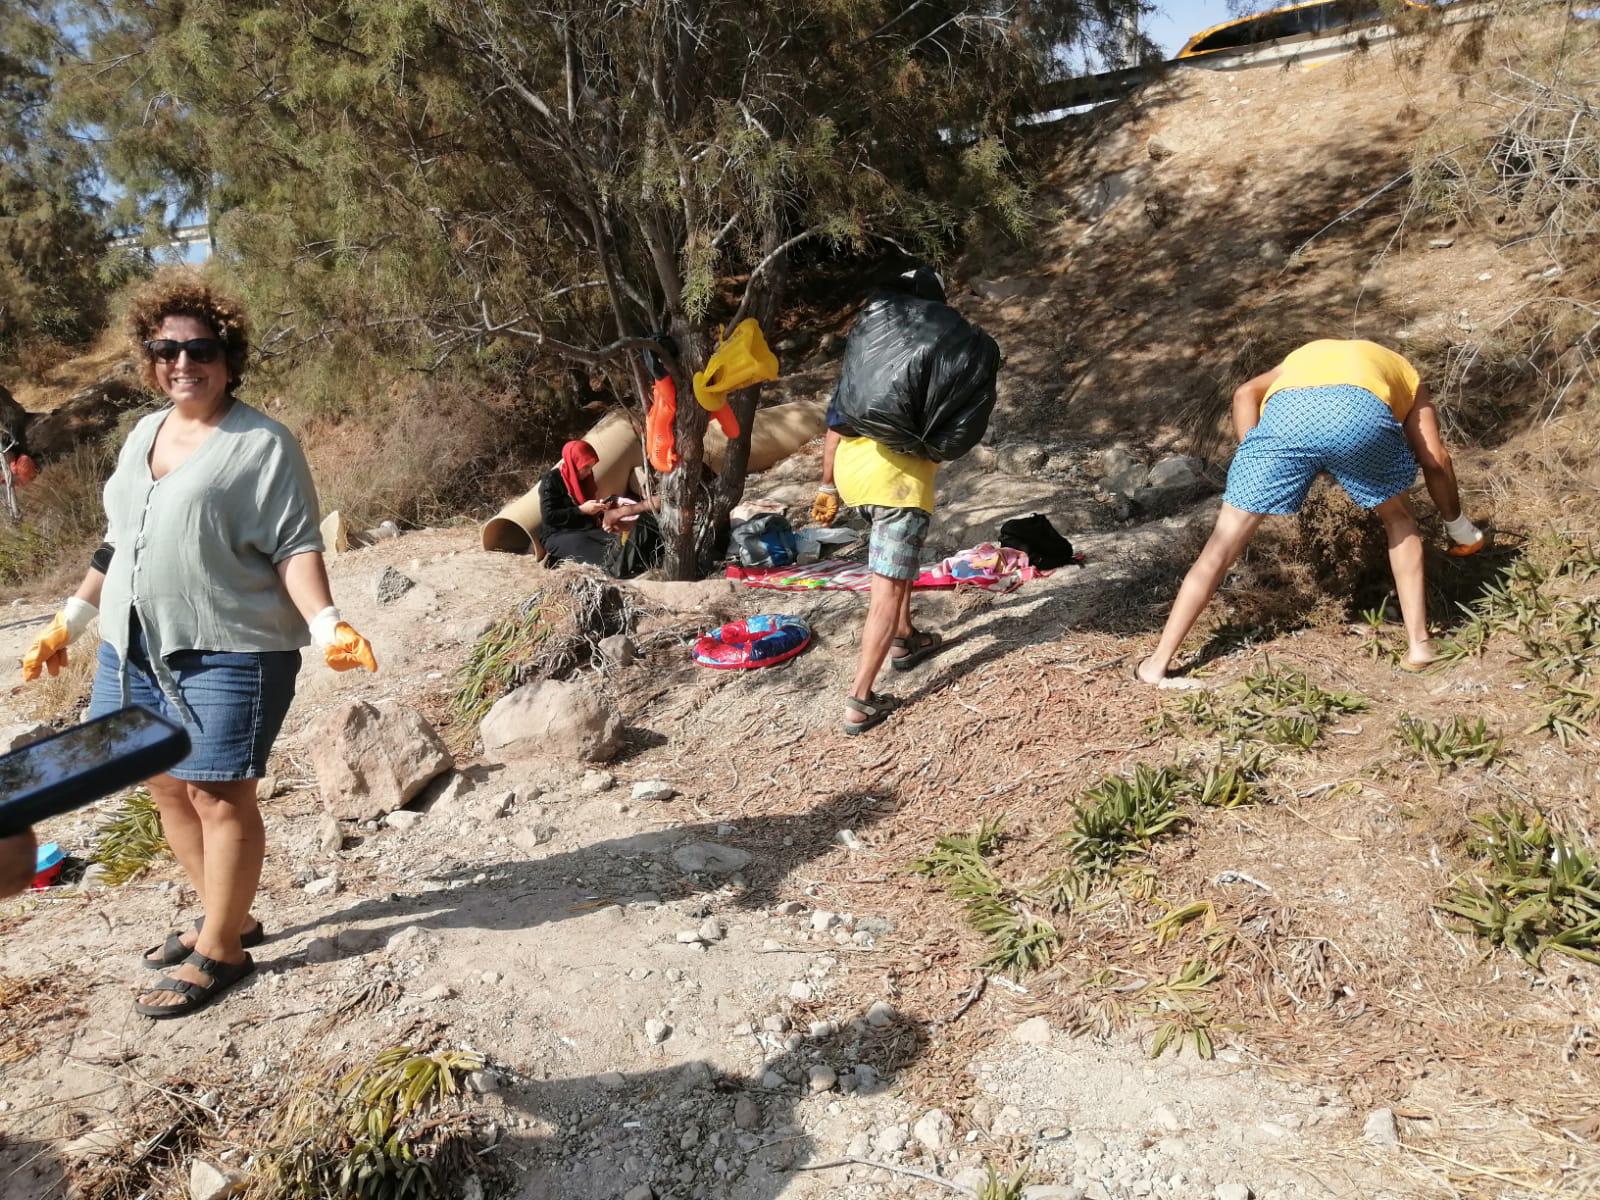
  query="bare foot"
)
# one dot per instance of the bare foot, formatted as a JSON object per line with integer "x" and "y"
{"x": 1421, "y": 654}
{"x": 1165, "y": 682}
{"x": 1144, "y": 674}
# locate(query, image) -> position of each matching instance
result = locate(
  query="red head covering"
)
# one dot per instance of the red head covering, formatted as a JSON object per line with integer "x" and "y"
{"x": 575, "y": 456}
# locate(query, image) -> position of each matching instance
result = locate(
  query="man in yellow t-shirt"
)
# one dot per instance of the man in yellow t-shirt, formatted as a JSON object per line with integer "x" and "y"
{"x": 1359, "y": 412}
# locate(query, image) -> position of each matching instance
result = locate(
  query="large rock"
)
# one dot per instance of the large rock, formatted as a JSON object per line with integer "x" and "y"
{"x": 15, "y": 737}
{"x": 13, "y": 421}
{"x": 1178, "y": 470}
{"x": 1121, "y": 473}
{"x": 708, "y": 858}
{"x": 552, "y": 720}
{"x": 86, "y": 416}
{"x": 371, "y": 759}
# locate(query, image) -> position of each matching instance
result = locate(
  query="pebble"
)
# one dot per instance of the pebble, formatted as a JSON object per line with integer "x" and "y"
{"x": 790, "y": 908}
{"x": 892, "y": 1139}
{"x": 822, "y": 920}
{"x": 321, "y": 950}
{"x": 933, "y": 1129}
{"x": 822, "y": 1079}
{"x": 210, "y": 1182}
{"x": 712, "y": 930}
{"x": 330, "y": 837}
{"x": 688, "y": 937}
{"x": 656, "y": 1031}
{"x": 775, "y": 1023}
{"x": 438, "y": 992}
{"x": 746, "y": 1113}
{"x": 1381, "y": 1128}
{"x": 641, "y": 1192}
{"x": 848, "y": 839}
{"x": 491, "y": 977}
{"x": 800, "y": 990}
{"x": 882, "y": 1014}
{"x": 402, "y": 819}
{"x": 772, "y": 1081}
{"x": 822, "y": 1029}
{"x": 860, "y": 1145}
{"x": 611, "y": 1080}
{"x": 1035, "y": 1031}
{"x": 1089, "y": 1147}
{"x": 1233, "y": 1191}
{"x": 485, "y": 1083}
{"x": 653, "y": 791}
{"x": 594, "y": 782}
{"x": 325, "y": 886}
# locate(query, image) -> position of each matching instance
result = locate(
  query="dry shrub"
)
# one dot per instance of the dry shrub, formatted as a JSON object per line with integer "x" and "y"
{"x": 63, "y": 519}
{"x": 59, "y": 699}
{"x": 429, "y": 454}
{"x": 1313, "y": 571}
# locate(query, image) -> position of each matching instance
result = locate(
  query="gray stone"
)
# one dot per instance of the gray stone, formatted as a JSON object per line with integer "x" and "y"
{"x": 746, "y": 1113}
{"x": 641, "y": 1191}
{"x": 1033, "y": 1032}
{"x": 882, "y": 1014}
{"x": 402, "y": 820}
{"x": 933, "y": 1130}
{"x": 653, "y": 791}
{"x": 708, "y": 858}
{"x": 892, "y": 1139}
{"x": 773, "y": 1082}
{"x": 822, "y": 920}
{"x": 775, "y": 1023}
{"x": 1121, "y": 473}
{"x": 618, "y": 649}
{"x": 392, "y": 585}
{"x": 790, "y": 908}
{"x": 531, "y": 837}
{"x": 595, "y": 782}
{"x": 321, "y": 950}
{"x": 656, "y": 1031}
{"x": 1381, "y": 1128}
{"x": 712, "y": 930}
{"x": 330, "y": 836}
{"x": 800, "y": 991}
{"x": 611, "y": 1080}
{"x": 822, "y": 1078}
{"x": 208, "y": 1181}
{"x": 1023, "y": 459}
{"x": 1001, "y": 290}
{"x": 371, "y": 759}
{"x": 1178, "y": 470}
{"x": 1233, "y": 1191}
{"x": 485, "y": 1083}
{"x": 325, "y": 886}
{"x": 552, "y": 720}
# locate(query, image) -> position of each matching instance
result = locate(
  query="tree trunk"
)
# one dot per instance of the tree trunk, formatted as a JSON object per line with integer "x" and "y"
{"x": 730, "y": 483}
{"x": 680, "y": 490}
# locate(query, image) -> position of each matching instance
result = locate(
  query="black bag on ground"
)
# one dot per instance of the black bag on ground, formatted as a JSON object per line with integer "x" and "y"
{"x": 1038, "y": 539}
{"x": 766, "y": 541}
{"x": 917, "y": 378}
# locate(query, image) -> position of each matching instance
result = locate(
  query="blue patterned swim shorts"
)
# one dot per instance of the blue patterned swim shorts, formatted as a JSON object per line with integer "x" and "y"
{"x": 894, "y": 549}
{"x": 1346, "y": 431}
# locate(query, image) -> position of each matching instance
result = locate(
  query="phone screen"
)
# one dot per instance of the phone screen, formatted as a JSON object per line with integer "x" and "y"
{"x": 80, "y": 765}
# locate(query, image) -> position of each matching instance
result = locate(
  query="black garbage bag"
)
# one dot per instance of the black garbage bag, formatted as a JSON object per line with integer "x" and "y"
{"x": 918, "y": 377}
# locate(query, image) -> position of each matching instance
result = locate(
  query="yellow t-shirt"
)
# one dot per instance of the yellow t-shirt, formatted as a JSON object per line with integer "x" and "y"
{"x": 1360, "y": 364}
{"x": 869, "y": 473}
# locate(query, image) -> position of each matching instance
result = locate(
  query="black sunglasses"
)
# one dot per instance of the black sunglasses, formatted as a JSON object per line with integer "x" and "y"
{"x": 199, "y": 350}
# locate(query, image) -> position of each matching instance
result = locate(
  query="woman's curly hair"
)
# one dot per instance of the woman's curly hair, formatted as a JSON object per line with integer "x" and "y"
{"x": 183, "y": 293}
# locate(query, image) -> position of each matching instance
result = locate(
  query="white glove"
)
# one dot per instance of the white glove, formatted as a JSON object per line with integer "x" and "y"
{"x": 77, "y": 615}
{"x": 322, "y": 626}
{"x": 1462, "y": 531}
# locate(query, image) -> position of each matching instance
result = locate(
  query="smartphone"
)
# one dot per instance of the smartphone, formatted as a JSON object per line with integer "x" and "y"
{"x": 80, "y": 765}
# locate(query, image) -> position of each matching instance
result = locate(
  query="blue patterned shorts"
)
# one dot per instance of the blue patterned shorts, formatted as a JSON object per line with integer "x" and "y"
{"x": 1346, "y": 431}
{"x": 894, "y": 549}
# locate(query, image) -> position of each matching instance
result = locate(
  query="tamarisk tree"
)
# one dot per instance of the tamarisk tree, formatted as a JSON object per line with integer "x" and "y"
{"x": 588, "y": 179}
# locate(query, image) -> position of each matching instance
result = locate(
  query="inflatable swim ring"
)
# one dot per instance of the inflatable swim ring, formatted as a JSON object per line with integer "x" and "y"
{"x": 754, "y": 642}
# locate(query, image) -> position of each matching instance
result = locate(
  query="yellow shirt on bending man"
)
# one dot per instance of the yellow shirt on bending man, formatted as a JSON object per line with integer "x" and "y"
{"x": 868, "y": 473}
{"x": 1379, "y": 370}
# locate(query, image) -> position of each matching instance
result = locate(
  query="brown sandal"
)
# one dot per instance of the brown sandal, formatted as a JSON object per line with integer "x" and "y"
{"x": 919, "y": 646}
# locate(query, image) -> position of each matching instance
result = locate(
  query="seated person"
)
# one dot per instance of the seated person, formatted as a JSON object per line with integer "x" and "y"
{"x": 618, "y": 534}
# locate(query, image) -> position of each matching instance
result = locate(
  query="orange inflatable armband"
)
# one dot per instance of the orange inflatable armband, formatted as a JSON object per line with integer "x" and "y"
{"x": 726, "y": 419}
{"x": 659, "y": 444}
{"x": 23, "y": 470}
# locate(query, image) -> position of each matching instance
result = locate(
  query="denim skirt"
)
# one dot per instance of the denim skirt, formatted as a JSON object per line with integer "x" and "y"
{"x": 236, "y": 702}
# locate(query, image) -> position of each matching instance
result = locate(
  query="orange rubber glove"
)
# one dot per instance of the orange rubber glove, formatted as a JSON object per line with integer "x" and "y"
{"x": 343, "y": 648}
{"x": 825, "y": 508}
{"x": 49, "y": 650}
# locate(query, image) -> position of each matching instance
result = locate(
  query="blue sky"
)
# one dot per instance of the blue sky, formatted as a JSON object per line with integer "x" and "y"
{"x": 1175, "y": 21}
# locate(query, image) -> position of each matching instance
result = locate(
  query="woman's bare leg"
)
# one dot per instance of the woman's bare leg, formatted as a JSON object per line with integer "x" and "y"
{"x": 1229, "y": 537}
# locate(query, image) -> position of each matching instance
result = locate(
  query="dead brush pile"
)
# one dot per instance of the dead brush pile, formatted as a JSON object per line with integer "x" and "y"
{"x": 554, "y": 634}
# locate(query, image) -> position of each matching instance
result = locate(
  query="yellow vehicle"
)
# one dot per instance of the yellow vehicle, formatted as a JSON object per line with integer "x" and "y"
{"x": 1293, "y": 21}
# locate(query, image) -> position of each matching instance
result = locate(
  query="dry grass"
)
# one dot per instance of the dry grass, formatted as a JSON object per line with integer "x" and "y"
{"x": 30, "y": 1005}
{"x": 61, "y": 698}
{"x": 63, "y": 519}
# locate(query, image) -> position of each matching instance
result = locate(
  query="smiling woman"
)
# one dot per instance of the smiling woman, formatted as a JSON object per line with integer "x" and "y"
{"x": 211, "y": 583}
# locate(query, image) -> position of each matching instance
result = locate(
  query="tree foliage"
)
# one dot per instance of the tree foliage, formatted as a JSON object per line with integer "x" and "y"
{"x": 51, "y": 237}
{"x": 577, "y": 178}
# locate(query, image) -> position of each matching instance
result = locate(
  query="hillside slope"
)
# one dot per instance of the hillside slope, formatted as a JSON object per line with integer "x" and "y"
{"x": 833, "y": 1023}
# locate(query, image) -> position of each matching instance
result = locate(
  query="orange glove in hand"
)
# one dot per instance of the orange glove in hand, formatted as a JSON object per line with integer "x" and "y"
{"x": 825, "y": 508}
{"x": 343, "y": 648}
{"x": 49, "y": 650}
